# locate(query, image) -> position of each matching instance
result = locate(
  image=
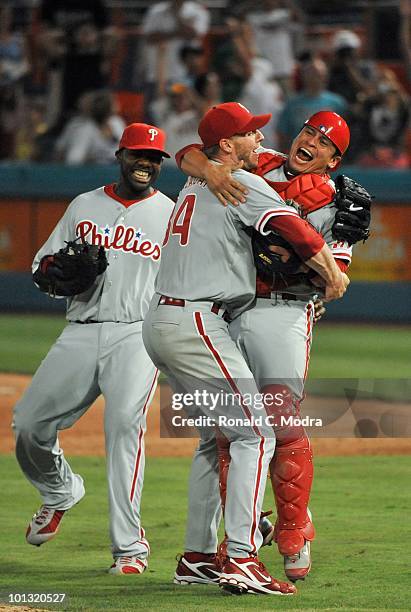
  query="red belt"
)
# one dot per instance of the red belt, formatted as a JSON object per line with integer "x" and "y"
{"x": 215, "y": 306}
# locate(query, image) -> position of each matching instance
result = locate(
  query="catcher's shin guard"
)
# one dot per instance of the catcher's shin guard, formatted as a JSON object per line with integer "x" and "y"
{"x": 291, "y": 473}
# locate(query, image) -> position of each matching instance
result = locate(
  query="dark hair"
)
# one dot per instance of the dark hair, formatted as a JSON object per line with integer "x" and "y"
{"x": 200, "y": 83}
{"x": 305, "y": 56}
{"x": 102, "y": 107}
{"x": 344, "y": 52}
{"x": 187, "y": 50}
{"x": 210, "y": 151}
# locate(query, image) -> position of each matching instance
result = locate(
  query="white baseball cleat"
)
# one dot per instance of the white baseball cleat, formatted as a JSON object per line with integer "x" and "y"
{"x": 249, "y": 575}
{"x": 298, "y": 566}
{"x": 197, "y": 568}
{"x": 46, "y": 522}
{"x": 128, "y": 565}
{"x": 44, "y": 525}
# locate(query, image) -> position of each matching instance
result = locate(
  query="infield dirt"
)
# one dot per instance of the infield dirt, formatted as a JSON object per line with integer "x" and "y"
{"x": 86, "y": 437}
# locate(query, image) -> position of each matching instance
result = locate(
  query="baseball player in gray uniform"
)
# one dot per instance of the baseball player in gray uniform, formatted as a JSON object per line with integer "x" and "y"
{"x": 275, "y": 335}
{"x": 186, "y": 334}
{"x": 101, "y": 350}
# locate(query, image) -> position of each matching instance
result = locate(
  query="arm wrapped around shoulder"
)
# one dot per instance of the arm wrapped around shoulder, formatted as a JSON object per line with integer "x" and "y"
{"x": 72, "y": 270}
{"x": 353, "y": 216}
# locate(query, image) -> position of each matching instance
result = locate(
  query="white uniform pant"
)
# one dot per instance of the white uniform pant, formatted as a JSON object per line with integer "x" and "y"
{"x": 275, "y": 338}
{"x": 88, "y": 360}
{"x": 193, "y": 347}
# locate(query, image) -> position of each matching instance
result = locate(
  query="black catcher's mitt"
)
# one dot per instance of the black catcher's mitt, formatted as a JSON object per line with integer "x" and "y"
{"x": 353, "y": 216}
{"x": 72, "y": 270}
{"x": 268, "y": 262}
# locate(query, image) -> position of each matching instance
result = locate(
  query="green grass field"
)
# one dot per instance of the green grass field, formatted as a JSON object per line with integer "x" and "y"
{"x": 360, "y": 558}
{"x": 361, "y": 506}
{"x": 338, "y": 350}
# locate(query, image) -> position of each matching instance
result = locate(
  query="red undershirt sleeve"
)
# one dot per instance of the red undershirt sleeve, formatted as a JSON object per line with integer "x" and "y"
{"x": 305, "y": 240}
{"x": 180, "y": 154}
{"x": 342, "y": 264}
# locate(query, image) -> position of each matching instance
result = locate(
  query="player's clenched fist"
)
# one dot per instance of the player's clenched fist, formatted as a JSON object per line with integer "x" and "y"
{"x": 337, "y": 289}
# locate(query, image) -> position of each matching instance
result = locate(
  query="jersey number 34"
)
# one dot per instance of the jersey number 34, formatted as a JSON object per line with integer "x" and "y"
{"x": 179, "y": 223}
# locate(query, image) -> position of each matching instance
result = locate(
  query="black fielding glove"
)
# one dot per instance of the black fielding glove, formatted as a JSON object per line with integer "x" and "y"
{"x": 72, "y": 270}
{"x": 268, "y": 262}
{"x": 353, "y": 216}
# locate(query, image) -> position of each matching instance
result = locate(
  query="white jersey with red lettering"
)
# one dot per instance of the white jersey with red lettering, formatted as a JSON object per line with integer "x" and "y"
{"x": 100, "y": 351}
{"x": 132, "y": 235}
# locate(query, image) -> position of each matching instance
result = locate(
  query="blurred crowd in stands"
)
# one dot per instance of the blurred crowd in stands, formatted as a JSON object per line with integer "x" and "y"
{"x": 74, "y": 72}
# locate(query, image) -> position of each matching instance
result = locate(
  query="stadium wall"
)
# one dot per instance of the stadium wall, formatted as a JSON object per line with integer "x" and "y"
{"x": 33, "y": 198}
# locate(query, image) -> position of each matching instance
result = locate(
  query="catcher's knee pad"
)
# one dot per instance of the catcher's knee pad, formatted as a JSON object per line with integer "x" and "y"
{"x": 281, "y": 405}
{"x": 224, "y": 458}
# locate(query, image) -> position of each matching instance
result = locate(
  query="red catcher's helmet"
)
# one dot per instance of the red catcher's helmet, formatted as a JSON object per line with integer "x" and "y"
{"x": 333, "y": 126}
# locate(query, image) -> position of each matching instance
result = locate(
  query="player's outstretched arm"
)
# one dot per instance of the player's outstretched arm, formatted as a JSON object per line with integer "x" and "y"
{"x": 218, "y": 176}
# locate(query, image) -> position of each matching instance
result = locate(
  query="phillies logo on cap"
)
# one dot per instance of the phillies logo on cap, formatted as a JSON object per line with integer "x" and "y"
{"x": 153, "y": 133}
{"x": 143, "y": 136}
{"x": 324, "y": 129}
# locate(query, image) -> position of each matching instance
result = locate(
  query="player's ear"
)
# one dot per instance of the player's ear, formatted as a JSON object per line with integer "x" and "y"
{"x": 118, "y": 155}
{"x": 334, "y": 162}
{"x": 226, "y": 145}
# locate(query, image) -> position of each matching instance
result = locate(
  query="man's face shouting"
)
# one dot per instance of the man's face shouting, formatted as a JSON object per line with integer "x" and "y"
{"x": 312, "y": 152}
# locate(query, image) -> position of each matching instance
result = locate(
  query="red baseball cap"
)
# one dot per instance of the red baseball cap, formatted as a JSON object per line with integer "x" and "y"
{"x": 333, "y": 126}
{"x": 225, "y": 120}
{"x": 144, "y": 136}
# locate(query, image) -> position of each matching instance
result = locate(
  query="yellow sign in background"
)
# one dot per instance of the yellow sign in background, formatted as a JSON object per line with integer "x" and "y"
{"x": 386, "y": 256}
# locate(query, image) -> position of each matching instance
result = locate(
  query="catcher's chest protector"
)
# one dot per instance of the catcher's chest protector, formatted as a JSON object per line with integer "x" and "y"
{"x": 310, "y": 191}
